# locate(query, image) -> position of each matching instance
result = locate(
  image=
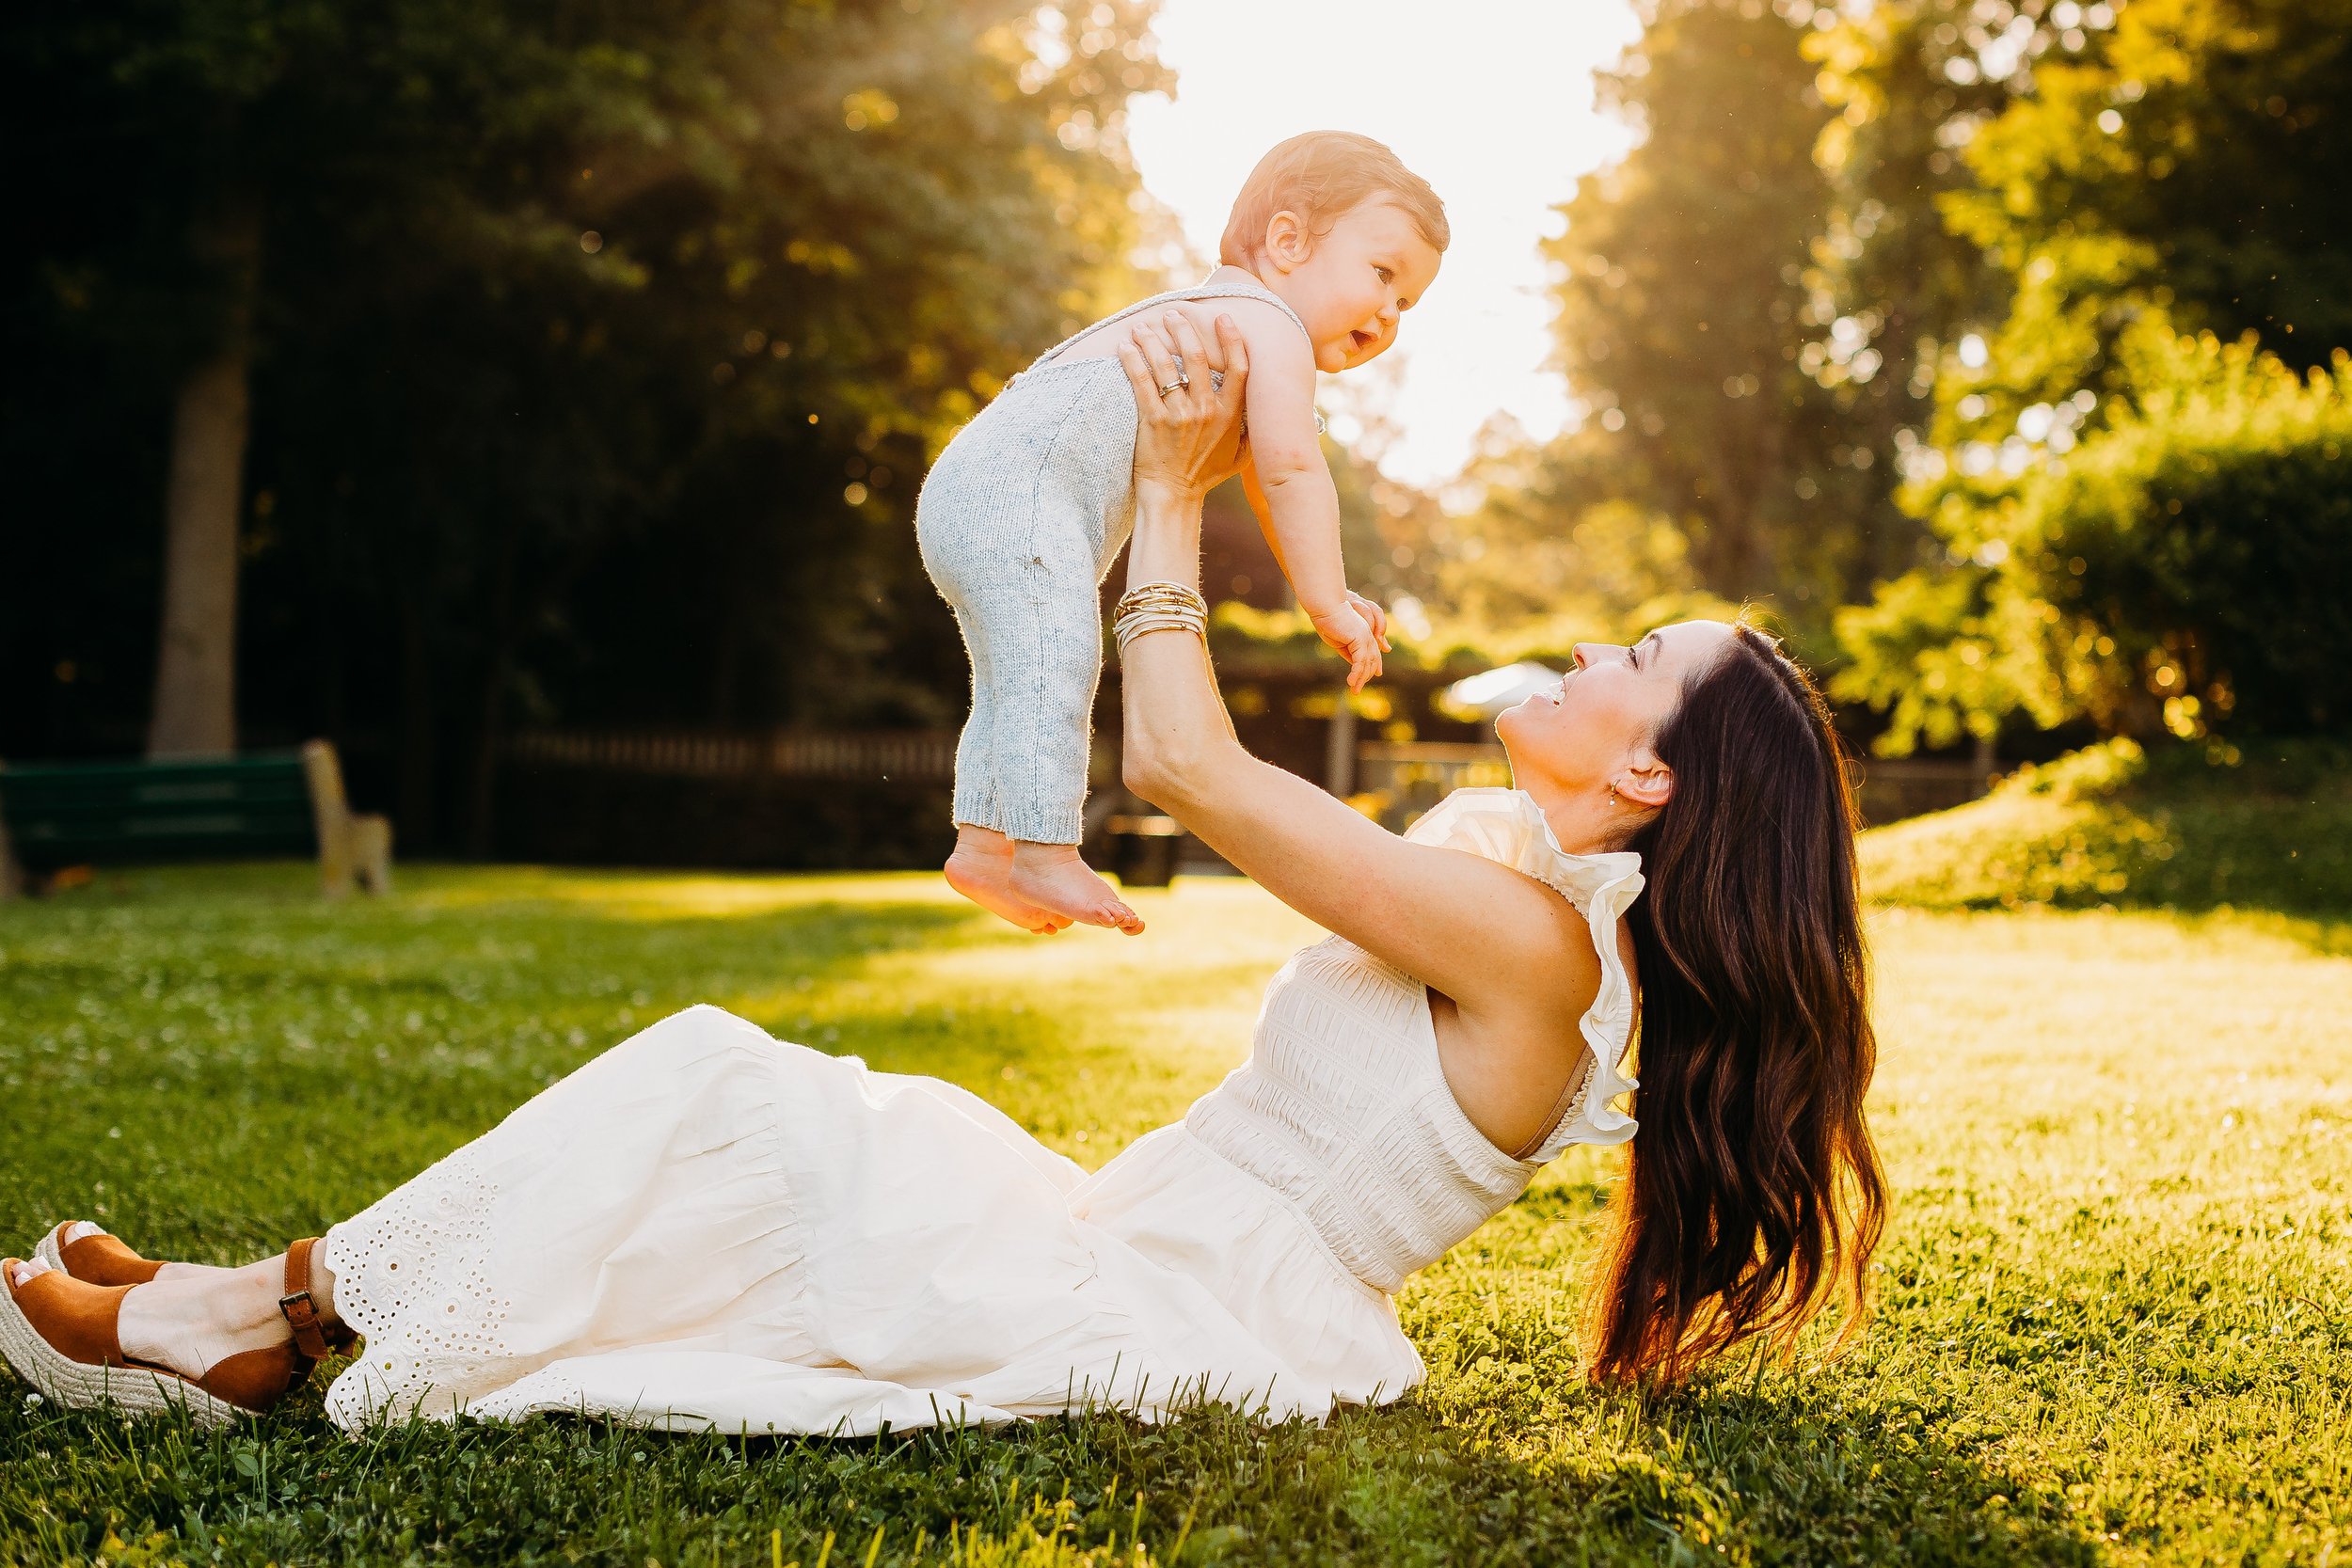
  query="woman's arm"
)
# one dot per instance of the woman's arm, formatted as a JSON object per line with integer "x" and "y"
{"x": 1493, "y": 940}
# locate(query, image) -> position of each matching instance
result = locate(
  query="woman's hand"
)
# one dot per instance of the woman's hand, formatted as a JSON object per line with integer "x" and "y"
{"x": 1188, "y": 439}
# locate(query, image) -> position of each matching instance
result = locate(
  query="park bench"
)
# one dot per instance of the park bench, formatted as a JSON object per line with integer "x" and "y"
{"x": 54, "y": 816}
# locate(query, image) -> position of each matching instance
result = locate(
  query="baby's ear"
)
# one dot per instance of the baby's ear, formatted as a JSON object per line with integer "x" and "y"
{"x": 1288, "y": 240}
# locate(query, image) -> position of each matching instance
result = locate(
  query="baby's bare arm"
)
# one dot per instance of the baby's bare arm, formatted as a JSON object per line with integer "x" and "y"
{"x": 1288, "y": 482}
{"x": 1263, "y": 510}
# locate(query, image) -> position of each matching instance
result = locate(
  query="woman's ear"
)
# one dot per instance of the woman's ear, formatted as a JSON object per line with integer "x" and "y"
{"x": 1645, "y": 781}
{"x": 1287, "y": 242}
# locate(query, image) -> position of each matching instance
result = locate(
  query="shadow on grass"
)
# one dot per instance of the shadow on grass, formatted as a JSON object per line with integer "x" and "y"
{"x": 1745, "y": 1475}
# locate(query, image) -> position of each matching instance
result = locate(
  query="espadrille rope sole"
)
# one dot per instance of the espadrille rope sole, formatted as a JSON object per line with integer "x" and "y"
{"x": 77, "y": 1386}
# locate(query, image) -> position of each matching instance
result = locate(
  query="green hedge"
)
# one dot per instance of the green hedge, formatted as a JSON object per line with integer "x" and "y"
{"x": 2186, "y": 569}
{"x": 2267, "y": 826}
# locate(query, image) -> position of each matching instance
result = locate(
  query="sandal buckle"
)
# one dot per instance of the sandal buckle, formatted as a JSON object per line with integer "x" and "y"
{"x": 302, "y": 1315}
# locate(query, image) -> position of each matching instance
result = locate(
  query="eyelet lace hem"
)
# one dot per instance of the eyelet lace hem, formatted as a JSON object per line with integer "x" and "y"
{"x": 411, "y": 1276}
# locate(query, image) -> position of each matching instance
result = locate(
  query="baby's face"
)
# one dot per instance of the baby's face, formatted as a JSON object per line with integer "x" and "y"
{"x": 1357, "y": 280}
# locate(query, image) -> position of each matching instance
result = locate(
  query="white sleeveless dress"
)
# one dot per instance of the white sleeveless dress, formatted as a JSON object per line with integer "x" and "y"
{"x": 706, "y": 1228}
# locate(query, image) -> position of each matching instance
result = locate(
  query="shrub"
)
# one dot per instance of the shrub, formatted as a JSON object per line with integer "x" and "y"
{"x": 2193, "y": 827}
{"x": 2187, "y": 568}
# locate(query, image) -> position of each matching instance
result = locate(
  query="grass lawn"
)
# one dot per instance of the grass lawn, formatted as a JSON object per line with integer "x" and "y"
{"x": 2115, "y": 1322}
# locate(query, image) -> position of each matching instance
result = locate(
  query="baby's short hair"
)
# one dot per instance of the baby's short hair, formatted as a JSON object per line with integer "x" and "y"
{"x": 1321, "y": 176}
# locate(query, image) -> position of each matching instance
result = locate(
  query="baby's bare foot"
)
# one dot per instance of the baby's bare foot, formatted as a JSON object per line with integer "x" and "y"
{"x": 982, "y": 872}
{"x": 1051, "y": 877}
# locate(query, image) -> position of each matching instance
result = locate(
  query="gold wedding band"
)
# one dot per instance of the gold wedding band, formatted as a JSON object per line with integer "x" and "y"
{"x": 1181, "y": 381}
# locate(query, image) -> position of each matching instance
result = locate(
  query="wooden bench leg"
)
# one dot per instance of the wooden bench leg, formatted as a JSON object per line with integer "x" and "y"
{"x": 353, "y": 849}
{"x": 331, "y": 816}
{"x": 371, "y": 841}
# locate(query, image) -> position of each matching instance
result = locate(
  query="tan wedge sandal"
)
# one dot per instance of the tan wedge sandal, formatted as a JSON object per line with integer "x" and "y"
{"x": 61, "y": 1335}
{"x": 97, "y": 1259}
{"x": 101, "y": 1259}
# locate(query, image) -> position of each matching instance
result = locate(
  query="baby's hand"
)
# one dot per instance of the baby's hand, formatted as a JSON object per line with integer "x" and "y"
{"x": 1353, "y": 634}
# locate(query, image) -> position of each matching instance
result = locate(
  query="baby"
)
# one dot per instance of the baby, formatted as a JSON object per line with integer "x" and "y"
{"x": 1330, "y": 242}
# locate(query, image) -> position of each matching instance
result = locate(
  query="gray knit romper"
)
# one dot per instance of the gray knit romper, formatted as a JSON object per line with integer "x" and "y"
{"x": 1018, "y": 522}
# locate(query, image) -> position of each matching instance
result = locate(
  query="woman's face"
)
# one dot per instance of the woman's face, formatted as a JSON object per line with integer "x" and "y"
{"x": 1595, "y": 729}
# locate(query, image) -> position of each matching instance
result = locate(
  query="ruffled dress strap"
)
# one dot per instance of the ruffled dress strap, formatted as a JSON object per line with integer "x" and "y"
{"x": 1506, "y": 826}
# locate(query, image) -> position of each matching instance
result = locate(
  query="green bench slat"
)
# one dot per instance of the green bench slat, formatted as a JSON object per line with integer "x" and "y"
{"x": 99, "y": 807}
{"x": 156, "y": 825}
{"x": 251, "y": 762}
{"x": 275, "y": 773}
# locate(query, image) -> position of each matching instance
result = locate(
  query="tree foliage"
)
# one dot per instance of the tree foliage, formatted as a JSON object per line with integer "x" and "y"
{"x": 1689, "y": 293}
{"x": 2188, "y": 565}
{"x": 2192, "y": 165}
{"x": 2143, "y": 524}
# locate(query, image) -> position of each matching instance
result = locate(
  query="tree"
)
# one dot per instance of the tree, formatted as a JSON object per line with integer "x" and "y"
{"x": 2089, "y": 462}
{"x": 152, "y": 109}
{"x": 1912, "y": 81}
{"x": 1685, "y": 309}
{"x": 2190, "y": 165}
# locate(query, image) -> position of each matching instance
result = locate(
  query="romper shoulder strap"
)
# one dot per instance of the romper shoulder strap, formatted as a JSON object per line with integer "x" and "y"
{"x": 1245, "y": 287}
{"x": 1235, "y": 289}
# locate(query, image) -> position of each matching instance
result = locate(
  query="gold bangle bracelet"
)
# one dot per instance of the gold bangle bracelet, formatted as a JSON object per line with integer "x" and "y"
{"x": 1137, "y": 623}
{"x": 1162, "y": 595}
{"x": 1139, "y": 618}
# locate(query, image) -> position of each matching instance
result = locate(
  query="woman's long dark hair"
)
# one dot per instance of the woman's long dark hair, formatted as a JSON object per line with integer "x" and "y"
{"x": 1754, "y": 1194}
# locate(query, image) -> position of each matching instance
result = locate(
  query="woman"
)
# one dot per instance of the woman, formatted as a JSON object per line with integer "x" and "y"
{"x": 706, "y": 1228}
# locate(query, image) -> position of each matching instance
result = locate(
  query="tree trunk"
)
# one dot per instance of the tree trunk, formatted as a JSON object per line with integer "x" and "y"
{"x": 195, "y": 663}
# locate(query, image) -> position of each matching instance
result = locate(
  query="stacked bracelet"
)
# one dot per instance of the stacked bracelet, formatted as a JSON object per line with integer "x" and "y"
{"x": 1159, "y": 607}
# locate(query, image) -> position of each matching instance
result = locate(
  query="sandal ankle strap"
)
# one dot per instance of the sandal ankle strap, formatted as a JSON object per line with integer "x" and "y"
{"x": 300, "y": 1311}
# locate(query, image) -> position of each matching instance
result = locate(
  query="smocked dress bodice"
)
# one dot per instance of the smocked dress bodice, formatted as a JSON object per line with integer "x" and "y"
{"x": 1343, "y": 1106}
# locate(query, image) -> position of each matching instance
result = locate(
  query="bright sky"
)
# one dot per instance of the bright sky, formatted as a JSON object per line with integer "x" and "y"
{"x": 1491, "y": 101}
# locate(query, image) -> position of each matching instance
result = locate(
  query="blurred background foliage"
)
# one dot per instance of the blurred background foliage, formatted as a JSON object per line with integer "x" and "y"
{"x": 597, "y": 350}
{"x": 2139, "y": 470}
{"x": 1991, "y": 348}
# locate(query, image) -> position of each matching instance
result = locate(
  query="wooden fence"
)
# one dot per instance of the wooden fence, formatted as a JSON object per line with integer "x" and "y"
{"x": 777, "y": 799}
{"x": 769, "y": 799}
{"x": 913, "y": 757}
